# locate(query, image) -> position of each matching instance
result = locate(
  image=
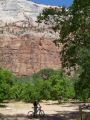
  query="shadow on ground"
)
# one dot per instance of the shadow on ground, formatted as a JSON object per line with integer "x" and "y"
{"x": 58, "y": 116}
{"x": 2, "y": 106}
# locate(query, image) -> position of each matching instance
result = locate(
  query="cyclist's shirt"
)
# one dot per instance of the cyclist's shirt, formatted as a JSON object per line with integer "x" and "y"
{"x": 35, "y": 103}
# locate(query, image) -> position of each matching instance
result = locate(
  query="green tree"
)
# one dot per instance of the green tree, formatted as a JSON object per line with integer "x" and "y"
{"x": 62, "y": 86}
{"x": 16, "y": 91}
{"x": 77, "y": 51}
{"x": 6, "y": 81}
{"x": 73, "y": 25}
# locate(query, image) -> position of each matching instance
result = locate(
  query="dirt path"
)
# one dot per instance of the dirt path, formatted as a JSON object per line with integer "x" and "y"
{"x": 53, "y": 111}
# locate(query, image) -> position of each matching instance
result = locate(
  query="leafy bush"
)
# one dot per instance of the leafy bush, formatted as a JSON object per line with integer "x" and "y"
{"x": 30, "y": 93}
{"x": 82, "y": 89}
{"x": 6, "y": 81}
{"x": 43, "y": 74}
{"x": 15, "y": 91}
{"x": 55, "y": 85}
{"x": 62, "y": 85}
{"x": 45, "y": 84}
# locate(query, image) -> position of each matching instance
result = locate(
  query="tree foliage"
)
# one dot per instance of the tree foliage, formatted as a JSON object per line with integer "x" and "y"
{"x": 74, "y": 30}
{"x": 6, "y": 81}
{"x": 46, "y": 84}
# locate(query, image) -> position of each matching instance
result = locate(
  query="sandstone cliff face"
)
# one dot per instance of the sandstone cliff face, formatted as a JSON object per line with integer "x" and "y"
{"x": 27, "y": 54}
{"x": 26, "y": 48}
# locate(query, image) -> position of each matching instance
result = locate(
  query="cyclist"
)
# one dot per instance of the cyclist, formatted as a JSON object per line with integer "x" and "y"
{"x": 36, "y": 106}
{"x": 37, "y": 109}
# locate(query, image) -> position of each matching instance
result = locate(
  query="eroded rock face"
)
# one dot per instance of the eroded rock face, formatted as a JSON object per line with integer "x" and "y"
{"x": 27, "y": 54}
{"x": 26, "y": 47}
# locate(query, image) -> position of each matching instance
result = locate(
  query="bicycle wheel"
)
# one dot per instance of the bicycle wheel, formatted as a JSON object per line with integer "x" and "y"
{"x": 30, "y": 114}
{"x": 41, "y": 113}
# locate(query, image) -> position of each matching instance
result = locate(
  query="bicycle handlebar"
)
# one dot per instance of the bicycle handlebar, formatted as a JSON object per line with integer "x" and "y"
{"x": 37, "y": 107}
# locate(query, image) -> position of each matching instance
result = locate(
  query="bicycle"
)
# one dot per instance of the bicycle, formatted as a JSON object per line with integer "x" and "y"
{"x": 40, "y": 112}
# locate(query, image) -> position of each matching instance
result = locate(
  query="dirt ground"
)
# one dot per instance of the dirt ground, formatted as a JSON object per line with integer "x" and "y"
{"x": 52, "y": 110}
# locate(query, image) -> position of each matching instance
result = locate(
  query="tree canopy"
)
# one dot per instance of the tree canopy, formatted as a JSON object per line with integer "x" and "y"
{"x": 73, "y": 25}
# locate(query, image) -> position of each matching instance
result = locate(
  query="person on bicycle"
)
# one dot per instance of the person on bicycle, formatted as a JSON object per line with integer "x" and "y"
{"x": 36, "y": 105}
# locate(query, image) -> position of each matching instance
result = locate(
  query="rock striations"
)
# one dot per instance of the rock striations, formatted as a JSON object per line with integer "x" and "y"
{"x": 15, "y": 10}
{"x": 25, "y": 46}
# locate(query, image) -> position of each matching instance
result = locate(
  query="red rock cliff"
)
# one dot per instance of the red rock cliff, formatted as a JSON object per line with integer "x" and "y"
{"x": 25, "y": 47}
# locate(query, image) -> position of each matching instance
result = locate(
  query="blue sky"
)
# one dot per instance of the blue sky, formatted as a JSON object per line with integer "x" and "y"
{"x": 66, "y": 3}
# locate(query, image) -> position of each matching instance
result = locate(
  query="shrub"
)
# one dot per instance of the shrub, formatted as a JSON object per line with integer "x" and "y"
{"x": 6, "y": 81}
{"x": 46, "y": 84}
{"x": 62, "y": 85}
{"x": 30, "y": 93}
{"x": 16, "y": 91}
